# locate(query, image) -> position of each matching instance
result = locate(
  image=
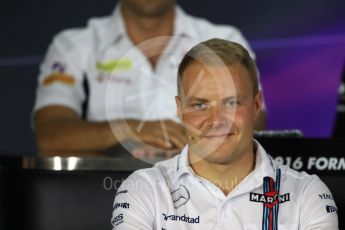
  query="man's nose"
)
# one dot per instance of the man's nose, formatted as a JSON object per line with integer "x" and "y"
{"x": 216, "y": 116}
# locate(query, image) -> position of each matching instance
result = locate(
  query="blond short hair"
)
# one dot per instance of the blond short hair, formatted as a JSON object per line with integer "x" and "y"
{"x": 219, "y": 52}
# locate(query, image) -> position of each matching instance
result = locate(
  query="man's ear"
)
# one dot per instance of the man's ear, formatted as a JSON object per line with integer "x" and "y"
{"x": 178, "y": 107}
{"x": 260, "y": 115}
{"x": 258, "y": 103}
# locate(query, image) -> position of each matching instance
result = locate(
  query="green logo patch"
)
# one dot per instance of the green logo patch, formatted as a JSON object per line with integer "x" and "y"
{"x": 115, "y": 65}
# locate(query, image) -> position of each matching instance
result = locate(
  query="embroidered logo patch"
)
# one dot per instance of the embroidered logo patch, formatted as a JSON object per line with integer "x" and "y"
{"x": 269, "y": 199}
{"x": 180, "y": 196}
{"x": 59, "y": 77}
{"x": 331, "y": 209}
{"x": 114, "y": 65}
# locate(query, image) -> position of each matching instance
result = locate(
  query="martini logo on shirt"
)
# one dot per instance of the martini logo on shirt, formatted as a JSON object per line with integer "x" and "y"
{"x": 184, "y": 218}
{"x": 269, "y": 199}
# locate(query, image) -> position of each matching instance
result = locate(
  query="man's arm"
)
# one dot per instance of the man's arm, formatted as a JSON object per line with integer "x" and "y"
{"x": 318, "y": 208}
{"x": 60, "y": 131}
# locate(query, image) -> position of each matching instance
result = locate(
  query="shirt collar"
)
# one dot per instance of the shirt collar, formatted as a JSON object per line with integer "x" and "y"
{"x": 118, "y": 27}
{"x": 182, "y": 164}
{"x": 264, "y": 164}
{"x": 182, "y": 24}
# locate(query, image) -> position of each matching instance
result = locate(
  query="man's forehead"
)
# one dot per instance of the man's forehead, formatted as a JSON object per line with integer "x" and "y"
{"x": 214, "y": 79}
{"x": 210, "y": 75}
{"x": 210, "y": 69}
{"x": 201, "y": 78}
{"x": 220, "y": 74}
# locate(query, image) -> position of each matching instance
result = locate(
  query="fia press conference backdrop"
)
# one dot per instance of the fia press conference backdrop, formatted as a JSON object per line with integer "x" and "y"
{"x": 300, "y": 47}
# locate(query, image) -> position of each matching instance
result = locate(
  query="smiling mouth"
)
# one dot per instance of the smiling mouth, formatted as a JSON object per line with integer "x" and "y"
{"x": 218, "y": 136}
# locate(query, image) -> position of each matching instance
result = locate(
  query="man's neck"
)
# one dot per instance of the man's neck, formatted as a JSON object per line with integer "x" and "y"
{"x": 141, "y": 29}
{"x": 226, "y": 176}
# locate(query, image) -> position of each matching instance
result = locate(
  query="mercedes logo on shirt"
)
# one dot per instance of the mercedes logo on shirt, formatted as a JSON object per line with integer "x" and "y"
{"x": 180, "y": 196}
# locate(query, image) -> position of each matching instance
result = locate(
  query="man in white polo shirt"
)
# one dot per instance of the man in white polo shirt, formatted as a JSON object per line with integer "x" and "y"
{"x": 223, "y": 178}
{"x": 122, "y": 69}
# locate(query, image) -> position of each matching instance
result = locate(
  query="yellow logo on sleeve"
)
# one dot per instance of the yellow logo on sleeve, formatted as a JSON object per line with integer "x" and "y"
{"x": 114, "y": 65}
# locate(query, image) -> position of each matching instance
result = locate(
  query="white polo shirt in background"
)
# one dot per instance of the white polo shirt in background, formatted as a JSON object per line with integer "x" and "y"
{"x": 121, "y": 81}
{"x": 171, "y": 196}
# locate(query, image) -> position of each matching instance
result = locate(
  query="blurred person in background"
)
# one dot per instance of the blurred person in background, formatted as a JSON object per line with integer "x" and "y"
{"x": 133, "y": 54}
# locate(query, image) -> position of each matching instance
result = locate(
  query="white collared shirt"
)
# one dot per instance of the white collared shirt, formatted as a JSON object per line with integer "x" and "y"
{"x": 121, "y": 80}
{"x": 171, "y": 196}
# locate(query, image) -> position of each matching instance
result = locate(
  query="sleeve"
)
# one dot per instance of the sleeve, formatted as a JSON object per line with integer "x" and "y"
{"x": 60, "y": 75}
{"x": 133, "y": 207}
{"x": 318, "y": 208}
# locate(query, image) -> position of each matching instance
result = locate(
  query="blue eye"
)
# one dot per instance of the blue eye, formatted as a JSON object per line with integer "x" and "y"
{"x": 232, "y": 103}
{"x": 199, "y": 106}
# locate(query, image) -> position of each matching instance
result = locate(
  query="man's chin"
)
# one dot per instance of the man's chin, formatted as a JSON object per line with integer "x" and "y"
{"x": 216, "y": 157}
{"x": 216, "y": 142}
{"x": 215, "y": 151}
